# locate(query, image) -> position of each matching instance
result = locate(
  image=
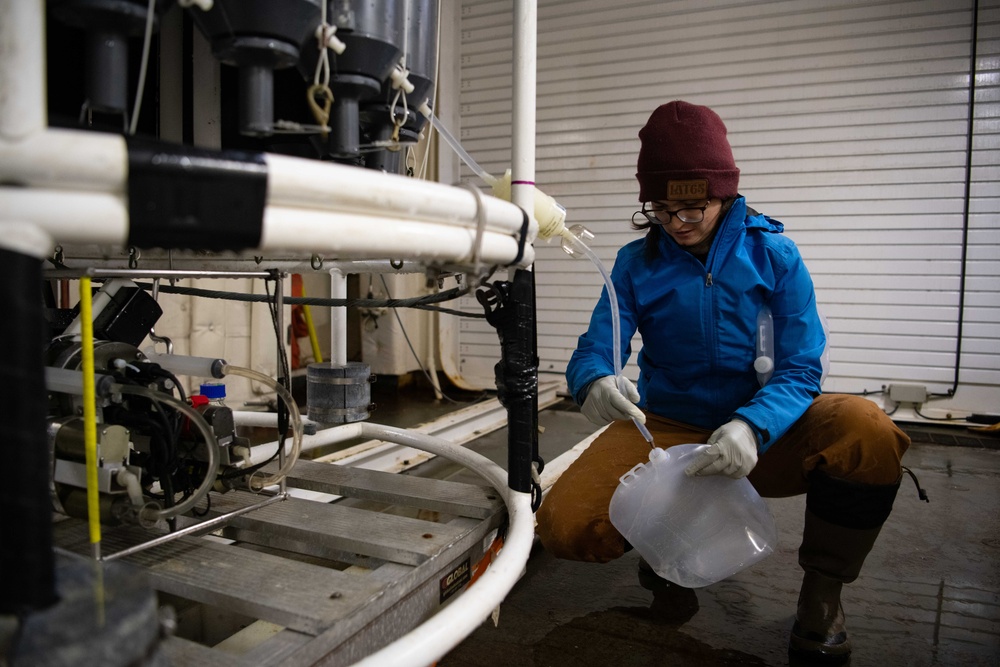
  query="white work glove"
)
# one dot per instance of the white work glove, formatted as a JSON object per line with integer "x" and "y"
{"x": 732, "y": 451}
{"x": 606, "y": 403}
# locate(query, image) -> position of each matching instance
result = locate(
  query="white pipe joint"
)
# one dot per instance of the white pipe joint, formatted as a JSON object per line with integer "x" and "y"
{"x": 338, "y": 319}
{"x": 25, "y": 238}
{"x": 22, "y": 77}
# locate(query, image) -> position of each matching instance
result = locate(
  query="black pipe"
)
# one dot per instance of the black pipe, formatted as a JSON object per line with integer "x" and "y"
{"x": 27, "y": 562}
{"x": 510, "y": 307}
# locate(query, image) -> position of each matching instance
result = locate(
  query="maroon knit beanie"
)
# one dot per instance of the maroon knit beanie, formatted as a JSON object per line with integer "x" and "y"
{"x": 685, "y": 155}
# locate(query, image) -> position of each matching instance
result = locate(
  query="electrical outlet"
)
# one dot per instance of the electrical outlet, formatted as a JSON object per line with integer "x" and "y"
{"x": 908, "y": 393}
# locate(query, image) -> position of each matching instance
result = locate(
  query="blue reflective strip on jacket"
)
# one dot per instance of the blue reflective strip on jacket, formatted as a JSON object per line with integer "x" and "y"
{"x": 696, "y": 363}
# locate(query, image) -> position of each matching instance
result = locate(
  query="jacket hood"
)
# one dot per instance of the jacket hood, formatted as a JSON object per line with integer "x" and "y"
{"x": 755, "y": 220}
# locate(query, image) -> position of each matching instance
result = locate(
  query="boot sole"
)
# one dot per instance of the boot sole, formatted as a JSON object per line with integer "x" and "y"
{"x": 819, "y": 652}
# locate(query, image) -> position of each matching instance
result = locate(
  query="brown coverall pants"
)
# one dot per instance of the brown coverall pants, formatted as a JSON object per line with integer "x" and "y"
{"x": 846, "y": 437}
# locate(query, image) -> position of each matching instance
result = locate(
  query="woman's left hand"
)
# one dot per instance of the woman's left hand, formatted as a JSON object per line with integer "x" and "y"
{"x": 732, "y": 452}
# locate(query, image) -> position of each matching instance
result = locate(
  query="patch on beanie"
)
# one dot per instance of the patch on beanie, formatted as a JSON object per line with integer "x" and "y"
{"x": 687, "y": 190}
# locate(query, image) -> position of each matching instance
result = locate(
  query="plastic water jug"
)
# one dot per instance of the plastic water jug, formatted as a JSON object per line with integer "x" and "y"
{"x": 693, "y": 531}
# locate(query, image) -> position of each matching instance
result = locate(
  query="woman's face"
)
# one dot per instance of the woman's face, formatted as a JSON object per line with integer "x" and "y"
{"x": 695, "y": 237}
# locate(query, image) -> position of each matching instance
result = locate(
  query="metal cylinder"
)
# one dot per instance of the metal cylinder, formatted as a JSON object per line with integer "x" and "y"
{"x": 256, "y": 100}
{"x": 338, "y": 394}
{"x": 107, "y": 614}
{"x": 107, "y": 71}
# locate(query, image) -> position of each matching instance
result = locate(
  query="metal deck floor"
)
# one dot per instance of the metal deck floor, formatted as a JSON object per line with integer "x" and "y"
{"x": 929, "y": 593}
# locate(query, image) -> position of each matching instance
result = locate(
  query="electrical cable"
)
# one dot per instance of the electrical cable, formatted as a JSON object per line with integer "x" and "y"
{"x": 916, "y": 411}
{"x": 421, "y": 303}
{"x": 143, "y": 64}
{"x": 211, "y": 447}
{"x": 283, "y": 371}
{"x": 970, "y": 132}
{"x": 417, "y": 358}
{"x": 290, "y": 416}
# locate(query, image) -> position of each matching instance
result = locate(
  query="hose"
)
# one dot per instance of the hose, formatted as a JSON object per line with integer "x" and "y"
{"x": 443, "y": 631}
{"x": 210, "y": 444}
{"x": 455, "y": 145}
{"x": 295, "y": 419}
{"x": 572, "y": 239}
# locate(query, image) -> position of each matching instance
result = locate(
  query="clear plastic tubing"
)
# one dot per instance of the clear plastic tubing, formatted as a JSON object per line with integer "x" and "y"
{"x": 211, "y": 447}
{"x": 455, "y": 146}
{"x": 572, "y": 244}
{"x": 294, "y": 417}
{"x": 178, "y": 364}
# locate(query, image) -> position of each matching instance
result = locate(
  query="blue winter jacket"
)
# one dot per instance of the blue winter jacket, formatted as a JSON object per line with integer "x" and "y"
{"x": 698, "y": 324}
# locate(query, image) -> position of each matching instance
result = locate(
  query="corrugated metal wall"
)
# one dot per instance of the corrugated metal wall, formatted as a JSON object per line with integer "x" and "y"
{"x": 849, "y": 120}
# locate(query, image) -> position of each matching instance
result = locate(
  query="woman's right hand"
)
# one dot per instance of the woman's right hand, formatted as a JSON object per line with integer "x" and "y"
{"x": 605, "y": 402}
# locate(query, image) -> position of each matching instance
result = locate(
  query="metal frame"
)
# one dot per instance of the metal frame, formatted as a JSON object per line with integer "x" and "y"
{"x": 72, "y": 190}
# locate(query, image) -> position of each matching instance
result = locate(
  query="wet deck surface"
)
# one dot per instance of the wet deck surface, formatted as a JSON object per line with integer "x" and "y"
{"x": 929, "y": 593}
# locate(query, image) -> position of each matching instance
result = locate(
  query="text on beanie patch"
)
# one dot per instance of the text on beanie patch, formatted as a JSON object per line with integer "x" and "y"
{"x": 687, "y": 190}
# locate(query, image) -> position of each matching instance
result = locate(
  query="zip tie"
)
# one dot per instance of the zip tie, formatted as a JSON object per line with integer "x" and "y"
{"x": 480, "y": 227}
{"x": 522, "y": 238}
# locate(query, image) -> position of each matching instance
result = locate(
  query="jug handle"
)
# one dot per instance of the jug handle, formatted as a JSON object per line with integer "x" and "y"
{"x": 630, "y": 476}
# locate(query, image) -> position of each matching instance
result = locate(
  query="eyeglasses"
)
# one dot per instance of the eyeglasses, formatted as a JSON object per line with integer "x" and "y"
{"x": 661, "y": 216}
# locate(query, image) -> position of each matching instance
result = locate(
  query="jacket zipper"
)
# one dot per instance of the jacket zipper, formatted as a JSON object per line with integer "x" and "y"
{"x": 708, "y": 279}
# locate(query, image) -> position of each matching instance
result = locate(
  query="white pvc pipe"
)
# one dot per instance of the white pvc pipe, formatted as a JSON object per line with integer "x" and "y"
{"x": 258, "y": 419}
{"x": 22, "y": 74}
{"x": 66, "y": 160}
{"x": 443, "y": 631}
{"x": 373, "y": 236}
{"x": 324, "y": 438}
{"x": 70, "y": 217}
{"x": 100, "y": 218}
{"x": 24, "y": 238}
{"x": 60, "y": 159}
{"x": 70, "y": 160}
{"x": 298, "y": 182}
{"x": 338, "y": 319}
{"x": 523, "y": 98}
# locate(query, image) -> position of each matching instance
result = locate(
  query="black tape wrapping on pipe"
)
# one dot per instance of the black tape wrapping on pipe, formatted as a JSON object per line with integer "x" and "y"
{"x": 27, "y": 562}
{"x": 510, "y": 307}
{"x": 181, "y": 197}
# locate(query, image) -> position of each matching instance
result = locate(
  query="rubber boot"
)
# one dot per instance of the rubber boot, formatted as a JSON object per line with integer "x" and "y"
{"x": 672, "y": 602}
{"x": 819, "y": 629}
{"x": 832, "y": 555}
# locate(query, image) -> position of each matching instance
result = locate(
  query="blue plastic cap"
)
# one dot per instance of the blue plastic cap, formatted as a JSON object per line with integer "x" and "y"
{"x": 213, "y": 390}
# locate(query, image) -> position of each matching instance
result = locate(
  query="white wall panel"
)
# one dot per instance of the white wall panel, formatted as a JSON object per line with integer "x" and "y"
{"x": 849, "y": 121}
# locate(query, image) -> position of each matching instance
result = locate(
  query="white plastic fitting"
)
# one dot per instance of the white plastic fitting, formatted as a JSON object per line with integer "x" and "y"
{"x": 130, "y": 481}
{"x": 550, "y": 214}
{"x": 202, "y": 367}
{"x": 326, "y": 34}
{"x": 400, "y": 81}
{"x": 203, "y": 5}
